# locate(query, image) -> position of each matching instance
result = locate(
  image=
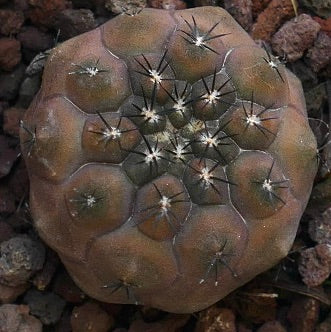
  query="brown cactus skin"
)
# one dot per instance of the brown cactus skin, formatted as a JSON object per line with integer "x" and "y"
{"x": 170, "y": 158}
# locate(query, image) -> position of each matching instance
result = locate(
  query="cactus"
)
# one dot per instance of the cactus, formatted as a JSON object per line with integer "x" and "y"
{"x": 170, "y": 158}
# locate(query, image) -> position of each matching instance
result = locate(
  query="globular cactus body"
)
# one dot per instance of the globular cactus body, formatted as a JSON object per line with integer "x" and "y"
{"x": 170, "y": 158}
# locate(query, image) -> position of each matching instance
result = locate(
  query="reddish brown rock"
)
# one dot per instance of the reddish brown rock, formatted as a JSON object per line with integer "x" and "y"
{"x": 11, "y": 120}
{"x": 16, "y": 318}
{"x": 241, "y": 10}
{"x": 10, "y": 21}
{"x": 259, "y": 6}
{"x": 91, "y": 317}
{"x": 279, "y": 11}
{"x": 216, "y": 319}
{"x": 10, "y": 53}
{"x": 34, "y": 39}
{"x": 167, "y": 4}
{"x": 315, "y": 264}
{"x": 325, "y": 24}
{"x": 303, "y": 314}
{"x": 295, "y": 37}
{"x": 10, "y": 294}
{"x": 319, "y": 56}
{"x": 44, "y": 11}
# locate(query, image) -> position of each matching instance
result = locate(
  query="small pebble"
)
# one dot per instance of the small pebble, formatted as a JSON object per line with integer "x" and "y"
{"x": 20, "y": 258}
{"x": 295, "y": 37}
{"x": 259, "y": 6}
{"x": 321, "y": 196}
{"x": 10, "y": 294}
{"x": 34, "y": 41}
{"x": 320, "y": 228}
{"x": 43, "y": 277}
{"x": 315, "y": 264}
{"x": 280, "y": 11}
{"x": 37, "y": 64}
{"x": 73, "y": 22}
{"x": 305, "y": 74}
{"x": 167, "y": 4}
{"x": 319, "y": 7}
{"x": 241, "y": 10}
{"x": 117, "y": 6}
{"x": 10, "y": 21}
{"x": 43, "y": 12}
{"x": 325, "y": 24}
{"x": 303, "y": 314}
{"x": 10, "y": 53}
{"x": 319, "y": 56}
{"x": 16, "y": 318}
{"x": 216, "y": 319}
{"x": 90, "y": 317}
{"x": 315, "y": 100}
{"x": 46, "y": 306}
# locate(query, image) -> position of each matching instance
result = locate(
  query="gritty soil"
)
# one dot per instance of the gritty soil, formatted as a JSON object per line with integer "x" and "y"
{"x": 37, "y": 294}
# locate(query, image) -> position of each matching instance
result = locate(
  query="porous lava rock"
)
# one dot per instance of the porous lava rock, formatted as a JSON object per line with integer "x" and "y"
{"x": 170, "y": 158}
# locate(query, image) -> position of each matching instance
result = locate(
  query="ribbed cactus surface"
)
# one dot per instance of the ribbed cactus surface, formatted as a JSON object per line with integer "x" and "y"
{"x": 170, "y": 158}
